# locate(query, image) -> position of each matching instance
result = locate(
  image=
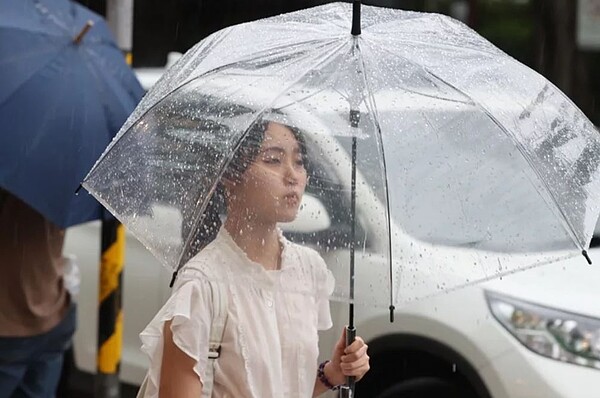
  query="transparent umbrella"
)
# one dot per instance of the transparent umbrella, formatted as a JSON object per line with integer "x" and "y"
{"x": 458, "y": 163}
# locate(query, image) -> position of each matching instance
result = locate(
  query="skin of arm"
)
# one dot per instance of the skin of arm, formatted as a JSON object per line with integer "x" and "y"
{"x": 345, "y": 361}
{"x": 177, "y": 376}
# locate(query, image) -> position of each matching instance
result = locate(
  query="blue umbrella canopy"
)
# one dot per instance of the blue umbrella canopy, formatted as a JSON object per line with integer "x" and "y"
{"x": 65, "y": 90}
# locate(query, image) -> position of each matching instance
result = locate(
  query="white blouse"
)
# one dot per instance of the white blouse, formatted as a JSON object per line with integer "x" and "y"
{"x": 270, "y": 340}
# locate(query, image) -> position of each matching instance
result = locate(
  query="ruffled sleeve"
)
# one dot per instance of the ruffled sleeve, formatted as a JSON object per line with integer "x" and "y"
{"x": 190, "y": 309}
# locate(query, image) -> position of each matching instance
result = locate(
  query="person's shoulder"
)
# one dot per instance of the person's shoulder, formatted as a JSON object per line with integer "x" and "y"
{"x": 317, "y": 267}
{"x": 309, "y": 254}
{"x": 208, "y": 262}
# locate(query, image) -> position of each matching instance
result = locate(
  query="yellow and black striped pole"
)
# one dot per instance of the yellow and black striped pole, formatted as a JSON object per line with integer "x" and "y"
{"x": 110, "y": 313}
{"x": 119, "y": 16}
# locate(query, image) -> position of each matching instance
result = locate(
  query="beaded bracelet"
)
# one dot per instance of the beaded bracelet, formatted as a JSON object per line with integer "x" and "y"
{"x": 322, "y": 378}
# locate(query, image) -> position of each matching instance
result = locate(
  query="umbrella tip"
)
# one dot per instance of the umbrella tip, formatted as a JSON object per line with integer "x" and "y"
{"x": 78, "y": 189}
{"x": 392, "y": 308}
{"x": 355, "y": 18}
{"x": 88, "y": 25}
{"x": 587, "y": 257}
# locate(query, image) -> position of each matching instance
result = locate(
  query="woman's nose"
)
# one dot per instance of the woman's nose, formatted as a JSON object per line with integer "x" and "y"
{"x": 291, "y": 178}
{"x": 291, "y": 174}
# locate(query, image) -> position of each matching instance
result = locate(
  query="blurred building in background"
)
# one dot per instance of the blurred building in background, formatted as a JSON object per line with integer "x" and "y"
{"x": 558, "y": 38}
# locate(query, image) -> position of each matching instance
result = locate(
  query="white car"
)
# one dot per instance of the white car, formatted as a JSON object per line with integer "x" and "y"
{"x": 527, "y": 335}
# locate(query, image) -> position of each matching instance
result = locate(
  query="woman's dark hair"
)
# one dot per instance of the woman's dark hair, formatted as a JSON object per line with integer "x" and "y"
{"x": 244, "y": 156}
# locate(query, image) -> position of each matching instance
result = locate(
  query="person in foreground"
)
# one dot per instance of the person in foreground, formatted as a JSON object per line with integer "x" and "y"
{"x": 277, "y": 292}
{"x": 37, "y": 313}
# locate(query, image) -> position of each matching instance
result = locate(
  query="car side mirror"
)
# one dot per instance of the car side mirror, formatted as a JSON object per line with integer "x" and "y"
{"x": 312, "y": 217}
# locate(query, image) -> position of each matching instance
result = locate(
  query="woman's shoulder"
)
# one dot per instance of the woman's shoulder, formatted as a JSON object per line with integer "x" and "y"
{"x": 311, "y": 261}
{"x": 209, "y": 262}
{"x": 308, "y": 253}
{"x": 313, "y": 264}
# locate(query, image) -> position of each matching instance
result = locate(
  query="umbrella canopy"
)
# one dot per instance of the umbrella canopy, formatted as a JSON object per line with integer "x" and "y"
{"x": 468, "y": 164}
{"x": 65, "y": 90}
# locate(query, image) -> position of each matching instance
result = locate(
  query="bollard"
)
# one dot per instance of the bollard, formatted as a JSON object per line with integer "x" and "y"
{"x": 110, "y": 312}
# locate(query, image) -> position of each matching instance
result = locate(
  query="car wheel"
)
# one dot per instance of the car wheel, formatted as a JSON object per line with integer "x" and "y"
{"x": 424, "y": 387}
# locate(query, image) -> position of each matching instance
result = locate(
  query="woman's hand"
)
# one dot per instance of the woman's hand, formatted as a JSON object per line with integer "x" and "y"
{"x": 347, "y": 361}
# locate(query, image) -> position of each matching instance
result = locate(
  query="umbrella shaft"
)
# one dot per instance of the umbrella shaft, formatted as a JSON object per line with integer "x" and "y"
{"x": 352, "y": 231}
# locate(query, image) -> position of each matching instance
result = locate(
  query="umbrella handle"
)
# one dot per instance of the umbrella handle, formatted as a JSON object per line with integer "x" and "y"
{"x": 347, "y": 390}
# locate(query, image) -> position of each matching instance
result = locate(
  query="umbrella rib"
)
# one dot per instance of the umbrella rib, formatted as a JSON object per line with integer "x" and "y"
{"x": 385, "y": 181}
{"x": 445, "y": 45}
{"x": 146, "y": 98}
{"x": 95, "y": 69}
{"x": 570, "y": 230}
{"x": 288, "y": 53}
{"x": 118, "y": 137}
{"x": 400, "y": 38}
{"x": 569, "y": 227}
{"x": 478, "y": 281}
{"x": 519, "y": 146}
{"x": 451, "y": 100}
{"x": 200, "y": 209}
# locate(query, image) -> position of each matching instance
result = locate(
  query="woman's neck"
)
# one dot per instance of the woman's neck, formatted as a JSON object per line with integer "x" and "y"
{"x": 259, "y": 241}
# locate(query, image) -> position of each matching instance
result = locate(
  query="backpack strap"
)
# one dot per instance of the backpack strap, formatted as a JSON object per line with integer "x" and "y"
{"x": 220, "y": 304}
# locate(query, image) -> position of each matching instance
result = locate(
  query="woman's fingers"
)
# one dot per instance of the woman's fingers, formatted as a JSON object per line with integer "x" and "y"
{"x": 355, "y": 346}
{"x": 358, "y": 347}
{"x": 355, "y": 355}
{"x": 355, "y": 362}
{"x": 352, "y": 363}
{"x": 357, "y": 368}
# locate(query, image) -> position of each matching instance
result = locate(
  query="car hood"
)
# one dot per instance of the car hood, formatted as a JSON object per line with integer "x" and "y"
{"x": 571, "y": 285}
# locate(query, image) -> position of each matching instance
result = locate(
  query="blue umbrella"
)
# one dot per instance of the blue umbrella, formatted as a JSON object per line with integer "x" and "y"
{"x": 65, "y": 90}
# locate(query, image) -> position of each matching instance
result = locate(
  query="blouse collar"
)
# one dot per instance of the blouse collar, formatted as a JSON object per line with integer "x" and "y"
{"x": 225, "y": 238}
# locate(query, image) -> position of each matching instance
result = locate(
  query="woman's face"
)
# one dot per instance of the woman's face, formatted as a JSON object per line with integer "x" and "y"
{"x": 271, "y": 188}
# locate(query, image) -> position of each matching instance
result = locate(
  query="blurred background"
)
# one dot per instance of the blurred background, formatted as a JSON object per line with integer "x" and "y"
{"x": 558, "y": 38}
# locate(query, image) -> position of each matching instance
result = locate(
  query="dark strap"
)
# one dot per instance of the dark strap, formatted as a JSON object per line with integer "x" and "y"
{"x": 3, "y": 196}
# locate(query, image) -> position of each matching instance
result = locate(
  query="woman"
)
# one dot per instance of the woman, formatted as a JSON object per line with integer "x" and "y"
{"x": 277, "y": 291}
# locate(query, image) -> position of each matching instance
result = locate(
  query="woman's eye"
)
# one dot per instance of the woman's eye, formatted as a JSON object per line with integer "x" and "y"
{"x": 272, "y": 160}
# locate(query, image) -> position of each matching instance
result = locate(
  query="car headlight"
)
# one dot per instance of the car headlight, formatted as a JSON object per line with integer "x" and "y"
{"x": 552, "y": 333}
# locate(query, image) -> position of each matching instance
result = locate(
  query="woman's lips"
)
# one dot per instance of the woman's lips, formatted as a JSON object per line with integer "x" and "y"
{"x": 292, "y": 199}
